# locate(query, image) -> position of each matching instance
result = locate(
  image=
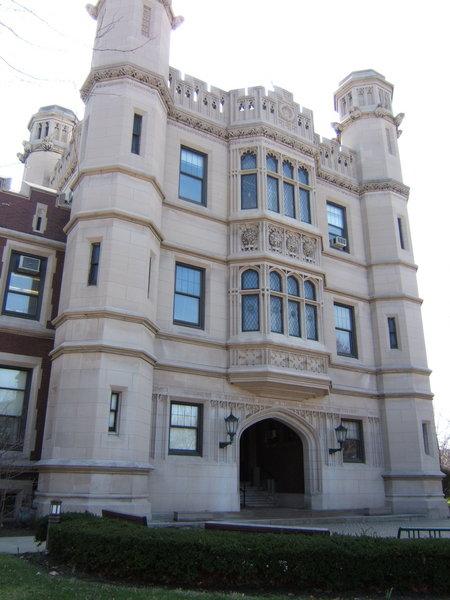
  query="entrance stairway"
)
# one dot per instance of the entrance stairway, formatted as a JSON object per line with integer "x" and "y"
{"x": 256, "y": 497}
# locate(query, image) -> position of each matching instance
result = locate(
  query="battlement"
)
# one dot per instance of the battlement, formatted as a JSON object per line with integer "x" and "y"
{"x": 236, "y": 107}
{"x": 337, "y": 158}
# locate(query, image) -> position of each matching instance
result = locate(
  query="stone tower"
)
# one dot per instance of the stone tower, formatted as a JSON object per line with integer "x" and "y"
{"x": 368, "y": 126}
{"x": 50, "y": 133}
{"x": 103, "y": 360}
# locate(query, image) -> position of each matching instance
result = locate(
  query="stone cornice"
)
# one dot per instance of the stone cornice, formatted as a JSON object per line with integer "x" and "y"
{"x": 96, "y": 466}
{"x": 94, "y": 347}
{"x": 106, "y": 313}
{"x": 385, "y": 185}
{"x": 113, "y": 213}
{"x": 31, "y": 238}
{"x": 32, "y": 332}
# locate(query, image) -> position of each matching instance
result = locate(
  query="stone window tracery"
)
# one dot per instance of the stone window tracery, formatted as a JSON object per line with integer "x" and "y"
{"x": 289, "y": 306}
{"x": 295, "y": 200}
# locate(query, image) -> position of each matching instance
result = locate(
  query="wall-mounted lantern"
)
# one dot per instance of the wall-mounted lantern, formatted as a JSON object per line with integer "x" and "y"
{"x": 55, "y": 511}
{"x": 231, "y": 423}
{"x": 341, "y": 435}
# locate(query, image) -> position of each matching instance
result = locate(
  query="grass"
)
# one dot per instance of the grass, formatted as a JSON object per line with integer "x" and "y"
{"x": 23, "y": 580}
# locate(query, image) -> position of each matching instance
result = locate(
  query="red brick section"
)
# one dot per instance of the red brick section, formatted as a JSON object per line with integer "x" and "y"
{"x": 29, "y": 346}
{"x": 17, "y": 213}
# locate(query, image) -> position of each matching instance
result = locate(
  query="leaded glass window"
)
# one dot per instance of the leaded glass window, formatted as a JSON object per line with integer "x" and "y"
{"x": 303, "y": 176}
{"x": 192, "y": 185}
{"x": 272, "y": 194}
{"x": 185, "y": 435}
{"x": 250, "y": 302}
{"x": 310, "y": 291}
{"x": 14, "y": 392}
{"x": 305, "y": 206}
{"x": 249, "y": 182}
{"x": 294, "y": 318}
{"x": 276, "y": 314}
{"x": 189, "y": 296}
{"x": 345, "y": 330}
{"x": 250, "y": 280}
{"x": 275, "y": 281}
{"x": 293, "y": 287}
{"x": 272, "y": 163}
{"x": 288, "y": 170}
{"x": 289, "y": 201}
{"x": 311, "y": 322}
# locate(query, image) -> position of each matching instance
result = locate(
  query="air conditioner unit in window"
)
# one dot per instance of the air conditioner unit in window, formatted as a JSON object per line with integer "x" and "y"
{"x": 339, "y": 242}
{"x": 29, "y": 264}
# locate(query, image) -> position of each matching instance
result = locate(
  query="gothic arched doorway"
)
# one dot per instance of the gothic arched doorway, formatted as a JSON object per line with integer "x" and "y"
{"x": 271, "y": 466}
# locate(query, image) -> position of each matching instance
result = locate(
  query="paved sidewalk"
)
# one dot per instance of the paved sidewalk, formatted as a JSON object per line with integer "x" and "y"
{"x": 19, "y": 545}
{"x": 381, "y": 528}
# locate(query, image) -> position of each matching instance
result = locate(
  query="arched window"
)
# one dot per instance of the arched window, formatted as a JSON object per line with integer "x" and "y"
{"x": 249, "y": 181}
{"x": 250, "y": 301}
{"x": 276, "y": 303}
{"x": 47, "y": 129}
{"x": 288, "y": 170}
{"x": 310, "y": 311}
{"x": 272, "y": 163}
{"x": 39, "y": 131}
{"x": 294, "y": 307}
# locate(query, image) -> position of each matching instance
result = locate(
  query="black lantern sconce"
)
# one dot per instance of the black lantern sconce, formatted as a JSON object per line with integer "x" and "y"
{"x": 55, "y": 511}
{"x": 341, "y": 435}
{"x": 231, "y": 423}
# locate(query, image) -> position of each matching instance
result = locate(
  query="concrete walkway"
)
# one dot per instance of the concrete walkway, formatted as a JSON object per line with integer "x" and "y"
{"x": 19, "y": 545}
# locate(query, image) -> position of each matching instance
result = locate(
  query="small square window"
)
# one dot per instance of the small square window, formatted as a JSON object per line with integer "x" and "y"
{"x": 185, "y": 431}
{"x": 192, "y": 185}
{"x": 353, "y": 448}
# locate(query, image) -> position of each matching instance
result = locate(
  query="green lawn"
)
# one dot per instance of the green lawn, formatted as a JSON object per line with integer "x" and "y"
{"x": 22, "y": 580}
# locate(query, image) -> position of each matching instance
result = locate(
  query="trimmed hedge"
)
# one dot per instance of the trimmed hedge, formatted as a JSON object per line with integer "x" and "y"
{"x": 225, "y": 560}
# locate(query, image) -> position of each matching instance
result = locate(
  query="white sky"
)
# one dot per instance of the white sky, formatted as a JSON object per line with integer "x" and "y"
{"x": 306, "y": 47}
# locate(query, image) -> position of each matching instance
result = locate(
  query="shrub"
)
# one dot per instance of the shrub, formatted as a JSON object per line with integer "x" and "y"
{"x": 40, "y": 534}
{"x": 229, "y": 560}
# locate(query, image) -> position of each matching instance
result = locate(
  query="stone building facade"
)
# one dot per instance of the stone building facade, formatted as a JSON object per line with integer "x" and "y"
{"x": 223, "y": 259}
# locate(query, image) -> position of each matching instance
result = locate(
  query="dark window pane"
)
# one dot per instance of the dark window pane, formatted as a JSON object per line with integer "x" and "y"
{"x": 192, "y": 163}
{"x": 250, "y": 313}
{"x": 305, "y": 206}
{"x": 250, "y": 280}
{"x": 24, "y": 286}
{"x": 288, "y": 169}
{"x": 249, "y": 191}
{"x": 353, "y": 448}
{"x": 272, "y": 194}
{"x": 294, "y": 318}
{"x": 289, "y": 203}
{"x": 272, "y": 163}
{"x": 93, "y": 268}
{"x": 248, "y": 161}
{"x": 345, "y": 334}
{"x": 191, "y": 188}
{"x": 293, "y": 287}
{"x": 393, "y": 340}
{"x": 188, "y": 295}
{"x": 275, "y": 281}
{"x": 303, "y": 176}
{"x": 311, "y": 322}
{"x": 400, "y": 233}
{"x": 136, "y": 137}
{"x": 185, "y": 427}
{"x": 276, "y": 314}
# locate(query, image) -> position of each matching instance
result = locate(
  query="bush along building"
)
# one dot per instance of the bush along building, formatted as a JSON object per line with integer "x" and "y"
{"x": 238, "y": 320}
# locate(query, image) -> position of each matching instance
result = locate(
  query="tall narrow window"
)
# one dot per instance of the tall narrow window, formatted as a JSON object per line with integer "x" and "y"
{"x": 400, "y": 233}
{"x": 273, "y": 201}
{"x": 353, "y": 448}
{"x": 304, "y": 195}
{"x": 293, "y": 307}
{"x": 276, "y": 303}
{"x": 337, "y": 227}
{"x": 426, "y": 440}
{"x": 24, "y": 286}
{"x": 192, "y": 176}
{"x": 189, "y": 296}
{"x": 185, "y": 435}
{"x": 345, "y": 330}
{"x": 310, "y": 312}
{"x": 93, "y": 267}
{"x": 146, "y": 15}
{"x": 249, "y": 184}
{"x": 113, "y": 425}
{"x": 14, "y": 392}
{"x": 136, "y": 137}
{"x": 250, "y": 301}
{"x": 47, "y": 129}
{"x": 393, "y": 339}
{"x": 288, "y": 189}
{"x": 39, "y": 131}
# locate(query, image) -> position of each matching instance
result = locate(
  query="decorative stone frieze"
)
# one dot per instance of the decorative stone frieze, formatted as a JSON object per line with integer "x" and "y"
{"x": 297, "y": 360}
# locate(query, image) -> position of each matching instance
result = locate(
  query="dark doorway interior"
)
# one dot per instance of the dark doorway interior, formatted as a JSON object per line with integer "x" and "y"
{"x": 271, "y": 458}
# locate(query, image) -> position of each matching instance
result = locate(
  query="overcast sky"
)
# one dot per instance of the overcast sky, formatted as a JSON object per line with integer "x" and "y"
{"x": 305, "y": 47}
